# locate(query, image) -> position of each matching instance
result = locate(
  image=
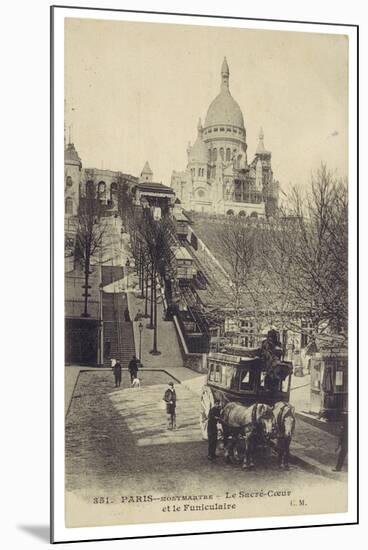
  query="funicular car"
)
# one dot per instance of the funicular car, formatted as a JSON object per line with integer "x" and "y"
{"x": 242, "y": 375}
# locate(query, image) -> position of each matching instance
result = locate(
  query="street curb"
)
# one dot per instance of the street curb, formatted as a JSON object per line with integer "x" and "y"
{"x": 310, "y": 465}
{"x": 330, "y": 428}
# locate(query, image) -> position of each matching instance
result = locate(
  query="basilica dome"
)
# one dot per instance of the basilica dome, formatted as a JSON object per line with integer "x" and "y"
{"x": 224, "y": 110}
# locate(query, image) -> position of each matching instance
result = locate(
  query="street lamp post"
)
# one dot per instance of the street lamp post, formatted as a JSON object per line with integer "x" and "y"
{"x": 140, "y": 327}
{"x": 155, "y": 351}
{"x": 101, "y": 331}
{"x": 127, "y": 266}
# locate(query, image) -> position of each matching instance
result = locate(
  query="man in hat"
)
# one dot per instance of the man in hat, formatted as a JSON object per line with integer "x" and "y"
{"x": 170, "y": 400}
{"x": 213, "y": 419}
{"x": 133, "y": 368}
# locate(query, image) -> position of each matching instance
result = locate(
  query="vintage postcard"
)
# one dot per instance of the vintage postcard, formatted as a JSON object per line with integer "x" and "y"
{"x": 205, "y": 198}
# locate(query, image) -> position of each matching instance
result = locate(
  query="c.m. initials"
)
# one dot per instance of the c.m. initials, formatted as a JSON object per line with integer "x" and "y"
{"x": 300, "y": 502}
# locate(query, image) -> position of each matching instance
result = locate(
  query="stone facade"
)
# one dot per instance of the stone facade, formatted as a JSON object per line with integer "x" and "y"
{"x": 72, "y": 180}
{"x": 218, "y": 178}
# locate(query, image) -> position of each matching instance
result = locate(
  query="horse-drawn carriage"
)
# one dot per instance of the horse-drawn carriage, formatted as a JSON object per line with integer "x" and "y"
{"x": 253, "y": 388}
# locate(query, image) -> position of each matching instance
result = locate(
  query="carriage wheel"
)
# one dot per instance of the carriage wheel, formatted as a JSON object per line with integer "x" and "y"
{"x": 207, "y": 401}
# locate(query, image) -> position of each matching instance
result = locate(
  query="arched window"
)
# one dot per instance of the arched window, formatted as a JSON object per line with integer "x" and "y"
{"x": 230, "y": 212}
{"x": 69, "y": 181}
{"x": 101, "y": 187}
{"x": 222, "y": 153}
{"x": 228, "y": 153}
{"x": 68, "y": 206}
{"x": 214, "y": 154}
{"x": 209, "y": 155}
{"x": 242, "y": 213}
{"x": 254, "y": 215}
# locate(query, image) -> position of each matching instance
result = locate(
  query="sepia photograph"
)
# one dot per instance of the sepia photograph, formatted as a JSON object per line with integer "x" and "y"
{"x": 206, "y": 217}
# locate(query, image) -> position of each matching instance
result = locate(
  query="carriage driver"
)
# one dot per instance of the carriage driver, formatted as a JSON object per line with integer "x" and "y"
{"x": 213, "y": 419}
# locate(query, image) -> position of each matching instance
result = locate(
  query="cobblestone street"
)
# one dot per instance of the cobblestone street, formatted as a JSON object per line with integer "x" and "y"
{"x": 117, "y": 441}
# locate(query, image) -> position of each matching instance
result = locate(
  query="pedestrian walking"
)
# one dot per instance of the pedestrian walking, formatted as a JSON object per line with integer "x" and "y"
{"x": 133, "y": 368}
{"x": 117, "y": 373}
{"x": 342, "y": 445}
{"x": 170, "y": 400}
{"x": 126, "y": 315}
{"x": 213, "y": 419}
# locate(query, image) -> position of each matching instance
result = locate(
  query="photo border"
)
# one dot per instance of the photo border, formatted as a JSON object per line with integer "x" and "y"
{"x": 53, "y": 9}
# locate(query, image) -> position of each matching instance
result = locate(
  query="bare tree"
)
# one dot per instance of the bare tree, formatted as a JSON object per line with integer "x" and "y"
{"x": 307, "y": 251}
{"x": 89, "y": 235}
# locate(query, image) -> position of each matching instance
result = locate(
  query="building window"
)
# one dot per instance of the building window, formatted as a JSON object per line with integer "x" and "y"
{"x": 228, "y": 153}
{"x": 247, "y": 334}
{"x": 242, "y": 213}
{"x": 215, "y": 129}
{"x": 230, "y": 212}
{"x": 222, "y": 129}
{"x": 254, "y": 215}
{"x": 69, "y": 181}
{"x": 214, "y": 155}
{"x": 69, "y": 206}
{"x": 228, "y": 129}
{"x": 101, "y": 187}
{"x": 222, "y": 153}
{"x": 209, "y": 155}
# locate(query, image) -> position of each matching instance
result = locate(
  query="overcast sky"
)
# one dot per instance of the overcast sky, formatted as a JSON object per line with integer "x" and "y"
{"x": 134, "y": 92}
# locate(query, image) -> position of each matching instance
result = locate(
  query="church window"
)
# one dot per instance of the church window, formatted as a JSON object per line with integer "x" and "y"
{"x": 222, "y": 129}
{"x": 230, "y": 212}
{"x": 69, "y": 181}
{"x": 215, "y": 129}
{"x": 242, "y": 213}
{"x": 201, "y": 193}
{"x": 69, "y": 206}
{"x": 228, "y": 129}
{"x": 228, "y": 153}
{"x": 222, "y": 153}
{"x": 254, "y": 215}
{"x": 210, "y": 131}
{"x": 214, "y": 155}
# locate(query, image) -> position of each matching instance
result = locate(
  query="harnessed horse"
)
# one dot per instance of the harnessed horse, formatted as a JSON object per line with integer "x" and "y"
{"x": 245, "y": 423}
{"x": 285, "y": 426}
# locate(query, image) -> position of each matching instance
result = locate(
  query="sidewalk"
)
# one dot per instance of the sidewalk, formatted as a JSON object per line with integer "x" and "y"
{"x": 167, "y": 339}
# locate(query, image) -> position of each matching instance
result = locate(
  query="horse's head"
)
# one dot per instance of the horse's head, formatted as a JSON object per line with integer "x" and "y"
{"x": 266, "y": 419}
{"x": 289, "y": 423}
